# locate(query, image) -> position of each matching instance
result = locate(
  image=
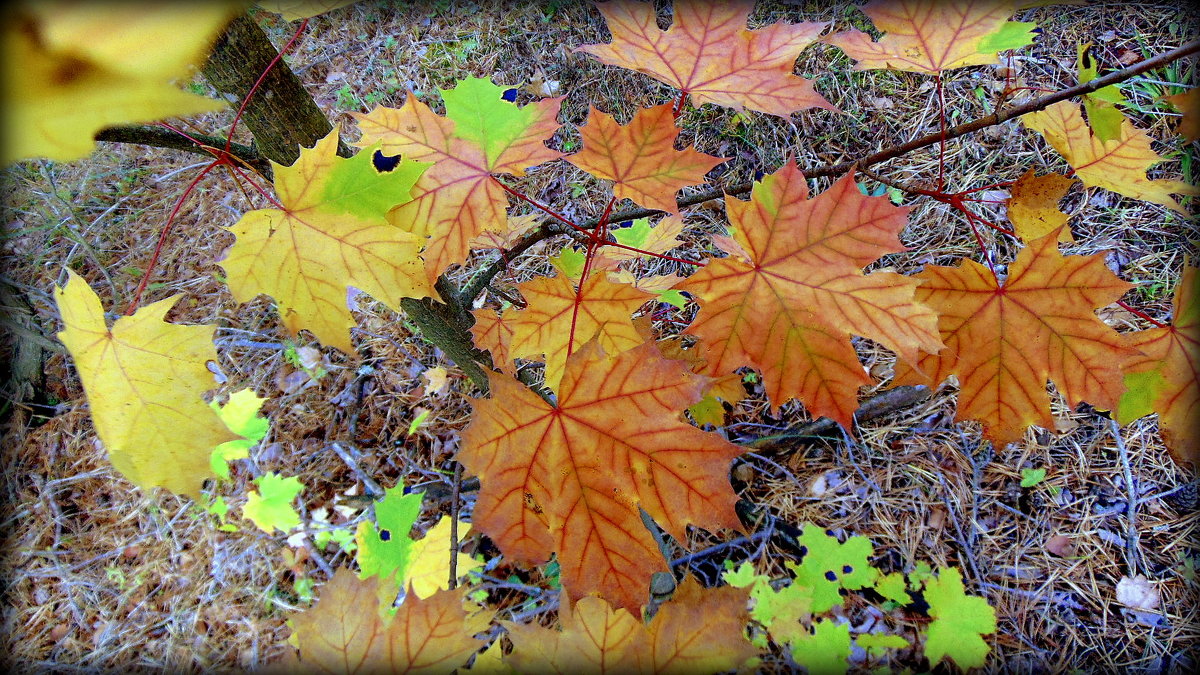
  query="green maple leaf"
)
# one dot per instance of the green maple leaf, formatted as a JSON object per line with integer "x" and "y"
{"x": 959, "y": 621}
{"x": 892, "y": 587}
{"x": 1103, "y": 116}
{"x": 240, "y": 414}
{"x": 271, "y": 507}
{"x": 673, "y": 297}
{"x": 352, "y": 186}
{"x": 779, "y": 611}
{"x": 569, "y": 263}
{"x": 386, "y": 547}
{"x": 829, "y": 566}
{"x": 482, "y": 116}
{"x": 876, "y": 644}
{"x": 826, "y": 651}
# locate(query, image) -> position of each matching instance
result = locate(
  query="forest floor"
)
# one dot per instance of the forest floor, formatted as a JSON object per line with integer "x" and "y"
{"x": 101, "y": 576}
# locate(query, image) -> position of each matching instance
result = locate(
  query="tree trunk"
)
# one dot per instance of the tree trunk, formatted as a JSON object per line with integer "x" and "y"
{"x": 282, "y": 115}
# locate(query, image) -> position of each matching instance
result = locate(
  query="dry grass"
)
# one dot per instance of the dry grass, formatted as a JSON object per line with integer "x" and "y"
{"x": 101, "y": 576}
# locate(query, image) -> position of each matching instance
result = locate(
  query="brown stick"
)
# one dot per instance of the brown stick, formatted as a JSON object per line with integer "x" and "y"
{"x": 160, "y": 137}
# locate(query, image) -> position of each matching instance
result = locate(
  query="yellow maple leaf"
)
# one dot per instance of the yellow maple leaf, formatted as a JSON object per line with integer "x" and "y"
{"x": 144, "y": 379}
{"x": 1033, "y": 206}
{"x": 430, "y": 555}
{"x": 71, "y": 69}
{"x": 330, "y": 234}
{"x": 1119, "y": 165}
{"x": 293, "y": 10}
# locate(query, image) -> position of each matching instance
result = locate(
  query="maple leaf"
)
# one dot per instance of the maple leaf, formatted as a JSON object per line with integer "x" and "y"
{"x": 1101, "y": 105}
{"x": 1119, "y": 165}
{"x": 958, "y": 622}
{"x": 456, "y": 199}
{"x": 331, "y": 234}
{"x": 240, "y": 414}
{"x": 709, "y": 54}
{"x": 646, "y": 239}
{"x": 544, "y": 327}
{"x": 385, "y": 548}
{"x": 830, "y": 565}
{"x": 293, "y": 10}
{"x": 1187, "y": 103}
{"x": 429, "y": 571}
{"x": 570, "y": 478}
{"x": 349, "y": 631}
{"x": 144, "y": 380}
{"x": 515, "y": 228}
{"x": 790, "y": 309}
{"x": 929, "y": 36}
{"x": 698, "y": 631}
{"x": 1005, "y": 341}
{"x": 70, "y": 69}
{"x": 780, "y": 611}
{"x": 640, "y": 157}
{"x": 270, "y": 508}
{"x": 1033, "y": 206}
{"x": 826, "y": 651}
{"x": 1166, "y": 378}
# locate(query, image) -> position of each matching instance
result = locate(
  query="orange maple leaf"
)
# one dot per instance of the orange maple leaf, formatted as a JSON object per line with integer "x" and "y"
{"x": 698, "y": 631}
{"x": 790, "y": 308}
{"x": 709, "y": 54}
{"x": 1166, "y": 378}
{"x": 640, "y": 157}
{"x": 930, "y": 36}
{"x": 456, "y": 199}
{"x": 1119, "y": 164}
{"x": 1187, "y": 103}
{"x": 556, "y": 314}
{"x": 1033, "y": 206}
{"x": 570, "y": 478}
{"x": 1005, "y": 341}
{"x": 349, "y": 630}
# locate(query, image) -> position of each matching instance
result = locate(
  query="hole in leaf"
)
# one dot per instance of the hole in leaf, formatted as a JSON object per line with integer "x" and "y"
{"x": 385, "y": 535}
{"x": 509, "y": 95}
{"x": 384, "y": 163}
{"x": 831, "y": 576}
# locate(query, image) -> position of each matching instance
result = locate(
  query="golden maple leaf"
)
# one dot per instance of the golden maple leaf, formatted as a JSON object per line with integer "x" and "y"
{"x": 698, "y": 631}
{"x": 351, "y": 630}
{"x": 1119, "y": 165}
{"x": 570, "y": 478}
{"x": 331, "y": 234}
{"x": 71, "y": 69}
{"x": 144, "y": 380}
{"x": 709, "y": 54}
{"x": 1033, "y": 206}
{"x": 1004, "y": 341}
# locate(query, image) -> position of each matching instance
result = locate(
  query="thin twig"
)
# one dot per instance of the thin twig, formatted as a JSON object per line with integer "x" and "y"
{"x": 373, "y": 488}
{"x": 1132, "y": 551}
{"x": 454, "y": 499}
